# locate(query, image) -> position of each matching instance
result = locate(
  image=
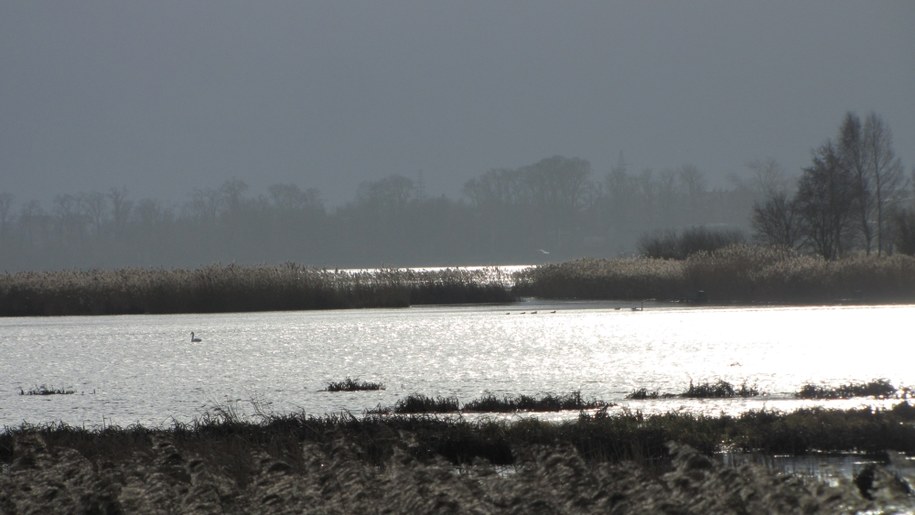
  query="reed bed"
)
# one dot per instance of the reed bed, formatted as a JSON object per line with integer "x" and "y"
{"x": 234, "y": 288}
{"x": 737, "y": 273}
{"x": 600, "y": 435}
{"x": 341, "y": 463}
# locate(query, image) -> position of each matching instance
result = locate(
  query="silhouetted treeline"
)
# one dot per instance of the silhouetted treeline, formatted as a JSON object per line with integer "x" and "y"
{"x": 854, "y": 197}
{"x": 555, "y": 209}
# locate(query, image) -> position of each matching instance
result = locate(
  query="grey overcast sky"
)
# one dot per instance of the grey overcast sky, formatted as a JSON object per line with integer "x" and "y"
{"x": 167, "y": 96}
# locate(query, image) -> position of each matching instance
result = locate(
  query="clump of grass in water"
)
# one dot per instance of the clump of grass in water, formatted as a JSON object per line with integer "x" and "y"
{"x": 352, "y": 385}
{"x": 572, "y": 401}
{"x": 419, "y": 403}
{"x": 44, "y": 390}
{"x": 880, "y": 388}
{"x": 719, "y": 390}
{"x": 642, "y": 394}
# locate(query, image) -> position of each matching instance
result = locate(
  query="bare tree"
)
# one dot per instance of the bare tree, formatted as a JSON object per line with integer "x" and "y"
{"x": 854, "y": 159}
{"x": 768, "y": 178}
{"x": 776, "y": 221}
{"x": 120, "y": 208}
{"x": 6, "y": 207}
{"x": 92, "y": 207}
{"x": 885, "y": 170}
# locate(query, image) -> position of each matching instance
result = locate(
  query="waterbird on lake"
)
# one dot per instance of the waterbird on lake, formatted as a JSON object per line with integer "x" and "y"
{"x": 193, "y": 339}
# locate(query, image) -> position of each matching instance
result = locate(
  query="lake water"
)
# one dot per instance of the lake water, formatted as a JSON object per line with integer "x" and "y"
{"x": 143, "y": 369}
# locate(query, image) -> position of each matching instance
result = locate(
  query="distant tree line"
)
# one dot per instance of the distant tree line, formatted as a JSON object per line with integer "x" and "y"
{"x": 853, "y": 197}
{"x": 554, "y": 209}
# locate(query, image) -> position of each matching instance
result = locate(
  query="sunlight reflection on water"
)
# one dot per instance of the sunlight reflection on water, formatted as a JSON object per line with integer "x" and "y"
{"x": 144, "y": 369}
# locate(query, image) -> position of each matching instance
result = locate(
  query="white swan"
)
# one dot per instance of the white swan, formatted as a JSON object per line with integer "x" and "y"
{"x": 194, "y": 340}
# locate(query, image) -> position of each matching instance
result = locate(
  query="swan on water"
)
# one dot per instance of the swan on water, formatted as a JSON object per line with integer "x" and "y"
{"x": 193, "y": 339}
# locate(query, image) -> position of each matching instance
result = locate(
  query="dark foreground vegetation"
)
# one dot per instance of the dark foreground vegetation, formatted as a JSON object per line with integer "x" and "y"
{"x": 734, "y": 274}
{"x": 624, "y": 463}
{"x": 233, "y": 288}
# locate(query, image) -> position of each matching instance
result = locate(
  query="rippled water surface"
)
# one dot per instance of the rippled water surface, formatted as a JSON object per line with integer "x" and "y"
{"x": 143, "y": 369}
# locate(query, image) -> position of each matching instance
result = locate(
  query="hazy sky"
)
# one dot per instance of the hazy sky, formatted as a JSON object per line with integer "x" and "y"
{"x": 166, "y": 96}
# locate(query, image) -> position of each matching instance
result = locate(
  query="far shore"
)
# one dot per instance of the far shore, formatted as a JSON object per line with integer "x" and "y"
{"x": 735, "y": 275}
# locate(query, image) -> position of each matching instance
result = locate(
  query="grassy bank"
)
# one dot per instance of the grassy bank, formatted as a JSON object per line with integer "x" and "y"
{"x": 597, "y": 463}
{"x": 232, "y": 288}
{"x": 736, "y": 274}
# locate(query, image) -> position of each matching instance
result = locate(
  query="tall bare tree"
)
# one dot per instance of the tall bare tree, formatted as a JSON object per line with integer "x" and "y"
{"x": 854, "y": 158}
{"x": 776, "y": 221}
{"x": 885, "y": 170}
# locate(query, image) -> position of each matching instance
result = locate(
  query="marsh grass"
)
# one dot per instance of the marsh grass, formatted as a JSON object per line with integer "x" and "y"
{"x": 879, "y": 388}
{"x": 340, "y": 464}
{"x": 719, "y": 390}
{"x": 643, "y": 394}
{"x": 225, "y": 437}
{"x": 352, "y": 385}
{"x": 421, "y": 404}
{"x": 234, "y": 288}
{"x": 45, "y": 390}
{"x": 417, "y": 403}
{"x": 572, "y": 401}
{"x": 737, "y": 273}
